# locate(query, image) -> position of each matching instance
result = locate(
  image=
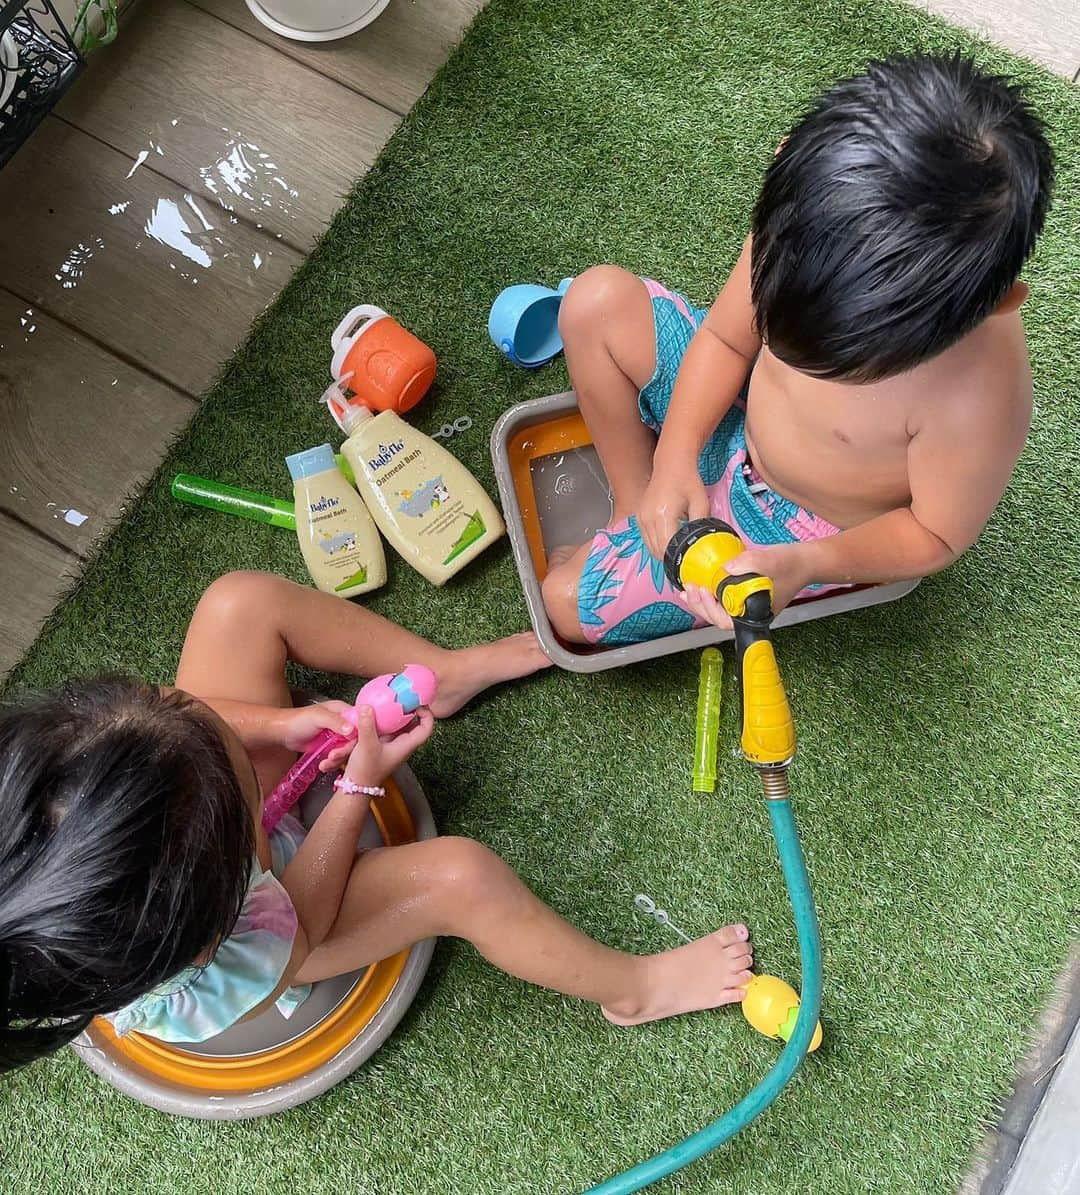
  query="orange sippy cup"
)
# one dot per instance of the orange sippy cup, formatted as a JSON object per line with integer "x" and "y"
{"x": 383, "y": 364}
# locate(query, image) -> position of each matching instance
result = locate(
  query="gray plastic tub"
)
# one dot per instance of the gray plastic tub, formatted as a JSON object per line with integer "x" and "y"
{"x": 572, "y": 502}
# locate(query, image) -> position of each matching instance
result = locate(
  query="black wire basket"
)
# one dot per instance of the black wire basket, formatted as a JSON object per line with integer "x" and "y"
{"x": 38, "y": 63}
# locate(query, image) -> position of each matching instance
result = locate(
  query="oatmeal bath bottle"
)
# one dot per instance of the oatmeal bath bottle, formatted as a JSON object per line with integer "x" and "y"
{"x": 339, "y": 542}
{"x": 425, "y": 502}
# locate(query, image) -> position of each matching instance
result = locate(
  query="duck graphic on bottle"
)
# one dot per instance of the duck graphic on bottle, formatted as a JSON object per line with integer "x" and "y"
{"x": 424, "y": 501}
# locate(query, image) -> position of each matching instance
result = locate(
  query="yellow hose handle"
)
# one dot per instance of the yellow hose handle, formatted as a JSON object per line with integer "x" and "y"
{"x": 697, "y": 555}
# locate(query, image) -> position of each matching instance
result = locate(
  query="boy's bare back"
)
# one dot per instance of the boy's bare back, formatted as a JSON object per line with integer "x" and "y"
{"x": 941, "y": 439}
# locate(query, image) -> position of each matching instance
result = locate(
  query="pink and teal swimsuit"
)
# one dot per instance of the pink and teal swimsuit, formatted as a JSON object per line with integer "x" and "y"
{"x": 247, "y": 966}
{"x": 623, "y": 595}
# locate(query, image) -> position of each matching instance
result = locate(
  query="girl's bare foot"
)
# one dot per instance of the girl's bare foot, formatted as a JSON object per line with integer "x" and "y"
{"x": 472, "y": 669}
{"x": 707, "y": 973}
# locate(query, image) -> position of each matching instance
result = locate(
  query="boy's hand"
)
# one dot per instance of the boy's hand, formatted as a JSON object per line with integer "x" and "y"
{"x": 297, "y": 727}
{"x": 669, "y": 499}
{"x": 783, "y": 563}
{"x": 374, "y": 758}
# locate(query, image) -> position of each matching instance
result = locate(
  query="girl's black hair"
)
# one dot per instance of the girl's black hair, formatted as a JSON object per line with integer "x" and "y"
{"x": 125, "y": 850}
{"x": 896, "y": 217}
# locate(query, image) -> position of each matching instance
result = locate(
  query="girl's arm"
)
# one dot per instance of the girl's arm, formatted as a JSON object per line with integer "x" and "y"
{"x": 261, "y": 726}
{"x": 315, "y": 879}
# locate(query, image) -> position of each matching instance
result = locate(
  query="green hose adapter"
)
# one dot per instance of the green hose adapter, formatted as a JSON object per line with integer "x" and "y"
{"x": 245, "y": 504}
{"x": 760, "y": 1097}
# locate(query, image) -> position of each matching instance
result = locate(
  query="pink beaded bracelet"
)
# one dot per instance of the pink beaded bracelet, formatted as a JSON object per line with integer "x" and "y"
{"x": 344, "y": 785}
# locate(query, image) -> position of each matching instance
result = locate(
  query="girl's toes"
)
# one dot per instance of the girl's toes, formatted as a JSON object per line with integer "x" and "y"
{"x": 732, "y": 935}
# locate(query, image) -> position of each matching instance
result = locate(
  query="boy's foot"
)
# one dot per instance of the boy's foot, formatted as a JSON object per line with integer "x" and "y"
{"x": 559, "y": 556}
{"x": 473, "y": 669}
{"x": 707, "y": 973}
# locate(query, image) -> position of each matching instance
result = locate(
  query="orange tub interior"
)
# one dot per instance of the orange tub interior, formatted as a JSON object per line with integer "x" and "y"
{"x": 561, "y": 434}
{"x": 280, "y": 1064}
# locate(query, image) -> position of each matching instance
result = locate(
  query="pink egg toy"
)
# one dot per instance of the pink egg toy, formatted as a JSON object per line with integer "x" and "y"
{"x": 392, "y": 698}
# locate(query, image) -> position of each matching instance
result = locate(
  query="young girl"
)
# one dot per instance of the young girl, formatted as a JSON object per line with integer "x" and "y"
{"x": 136, "y": 880}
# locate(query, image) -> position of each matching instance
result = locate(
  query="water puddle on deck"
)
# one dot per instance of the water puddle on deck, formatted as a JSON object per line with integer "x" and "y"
{"x": 244, "y": 185}
{"x": 191, "y": 232}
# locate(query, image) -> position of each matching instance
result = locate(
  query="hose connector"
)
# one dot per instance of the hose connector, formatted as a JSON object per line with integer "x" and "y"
{"x": 774, "y": 781}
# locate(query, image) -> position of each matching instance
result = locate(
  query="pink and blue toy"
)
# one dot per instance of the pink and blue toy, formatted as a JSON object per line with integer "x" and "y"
{"x": 393, "y": 699}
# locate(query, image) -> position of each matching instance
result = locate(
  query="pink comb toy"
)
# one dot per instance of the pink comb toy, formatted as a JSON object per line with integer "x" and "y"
{"x": 394, "y": 701}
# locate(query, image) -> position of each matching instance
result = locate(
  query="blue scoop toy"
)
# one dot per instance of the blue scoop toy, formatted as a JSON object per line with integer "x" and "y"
{"x": 524, "y": 323}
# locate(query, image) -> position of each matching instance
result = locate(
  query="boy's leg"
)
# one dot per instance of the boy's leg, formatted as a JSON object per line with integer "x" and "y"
{"x": 453, "y": 886}
{"x": 606, "y": 321}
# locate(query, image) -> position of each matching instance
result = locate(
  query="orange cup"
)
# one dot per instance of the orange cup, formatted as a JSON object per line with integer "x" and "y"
{"x": 383, "y": 364}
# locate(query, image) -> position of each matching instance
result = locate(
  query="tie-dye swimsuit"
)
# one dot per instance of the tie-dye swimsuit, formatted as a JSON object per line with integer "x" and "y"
{"x": 247, "y": 967}
{"x": 623, "y": 595}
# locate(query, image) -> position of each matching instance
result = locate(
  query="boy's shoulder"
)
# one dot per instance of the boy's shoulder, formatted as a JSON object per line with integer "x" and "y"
{"x": 984, "y": 377}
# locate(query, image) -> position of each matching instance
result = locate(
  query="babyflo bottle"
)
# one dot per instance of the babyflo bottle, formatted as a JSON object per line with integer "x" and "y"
{"x": 426, "y": 503}
{"x": 340, "y": 544}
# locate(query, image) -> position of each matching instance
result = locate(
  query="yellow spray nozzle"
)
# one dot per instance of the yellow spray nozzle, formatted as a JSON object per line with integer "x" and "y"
{"x": 697, "y": 555}
{"x": 768, "y": 730}
{"x": 735, "y": 592}
{"x": 771, "y": 1006}
{"x": 698, "y": 552}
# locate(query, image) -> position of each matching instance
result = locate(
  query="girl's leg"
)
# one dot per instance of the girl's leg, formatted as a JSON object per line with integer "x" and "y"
{"x": 247, "y": 625}
{"x": 453, "y": 886}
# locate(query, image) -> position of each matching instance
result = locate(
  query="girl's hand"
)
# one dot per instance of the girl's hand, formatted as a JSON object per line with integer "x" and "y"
{"x": 783, "y": 563}
{"x": 297, "y": 727}
{"x": 374, "y": 758}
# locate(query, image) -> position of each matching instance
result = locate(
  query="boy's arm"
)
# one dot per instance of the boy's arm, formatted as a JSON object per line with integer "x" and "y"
{"x": 711, "y": 374}
{"x": 959, "y": 463}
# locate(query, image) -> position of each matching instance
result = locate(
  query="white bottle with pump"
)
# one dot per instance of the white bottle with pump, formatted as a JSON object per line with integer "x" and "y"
{"x": 339, "y": 542}
{"x": 424, "y": 500}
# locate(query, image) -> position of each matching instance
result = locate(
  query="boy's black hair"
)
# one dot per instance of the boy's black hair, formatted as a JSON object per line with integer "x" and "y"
{"x": 125, "y": 850}
{"x": 896, "y": 217}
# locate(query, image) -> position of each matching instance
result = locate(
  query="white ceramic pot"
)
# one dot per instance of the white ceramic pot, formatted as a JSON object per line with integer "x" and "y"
{"x": 9, "y": 62}
{"x": 316, "y": 20}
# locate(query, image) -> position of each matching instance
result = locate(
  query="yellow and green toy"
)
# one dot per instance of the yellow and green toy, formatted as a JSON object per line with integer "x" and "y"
{"x": 772, "y": 1007}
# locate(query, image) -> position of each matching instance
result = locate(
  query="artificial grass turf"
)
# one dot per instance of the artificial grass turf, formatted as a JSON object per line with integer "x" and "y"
{"x": 933, "y": 782}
